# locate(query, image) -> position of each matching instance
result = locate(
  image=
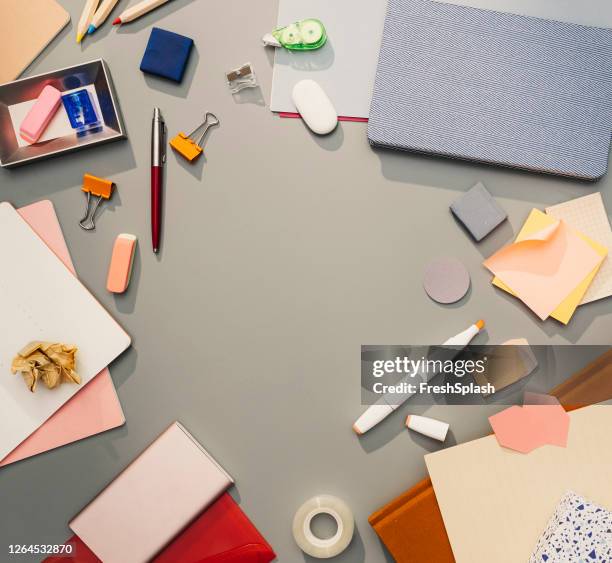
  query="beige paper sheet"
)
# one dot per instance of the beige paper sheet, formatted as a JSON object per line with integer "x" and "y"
{"x": 496, "y": 502}
{"x": 26, "y": 28}
{"x": 588, "y": 215}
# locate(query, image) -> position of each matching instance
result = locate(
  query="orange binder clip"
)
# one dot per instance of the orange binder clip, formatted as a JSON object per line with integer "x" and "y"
{"x": 102, "y": 189}
{"x": 189, "y": 148}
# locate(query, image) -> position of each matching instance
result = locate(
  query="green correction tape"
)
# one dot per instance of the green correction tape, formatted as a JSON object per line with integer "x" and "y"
{"x": 304, "y": 35}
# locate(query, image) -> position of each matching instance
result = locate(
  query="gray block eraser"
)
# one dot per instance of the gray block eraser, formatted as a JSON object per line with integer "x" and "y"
{"x": 478, "y": 211}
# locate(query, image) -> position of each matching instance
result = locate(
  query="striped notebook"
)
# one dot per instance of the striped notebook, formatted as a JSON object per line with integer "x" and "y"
{"x": 494, "y": 87}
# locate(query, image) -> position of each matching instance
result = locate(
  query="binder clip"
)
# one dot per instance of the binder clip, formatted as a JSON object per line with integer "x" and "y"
{"x": 186, "y": 146}
{"x": 100, "y": 188}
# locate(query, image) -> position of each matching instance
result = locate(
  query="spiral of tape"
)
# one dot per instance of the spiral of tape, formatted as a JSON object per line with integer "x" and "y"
{"x": 313, "y": 545}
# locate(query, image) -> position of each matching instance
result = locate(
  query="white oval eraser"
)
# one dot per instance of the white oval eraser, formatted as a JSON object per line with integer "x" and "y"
{"x": 430, "y": 427}
{"x": 315, "y": 107}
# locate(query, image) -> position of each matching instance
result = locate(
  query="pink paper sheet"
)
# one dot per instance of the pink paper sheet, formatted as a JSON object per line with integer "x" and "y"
{"x": 96, "y": 407}
{"x": 289, "y": 114}
{"x": 545, "y": 267}
{"x": 526, "y": 428}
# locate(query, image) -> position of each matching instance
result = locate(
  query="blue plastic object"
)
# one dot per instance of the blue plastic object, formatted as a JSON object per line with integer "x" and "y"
{"x": 166, "y": 54}
{"x": 81, "y": 111}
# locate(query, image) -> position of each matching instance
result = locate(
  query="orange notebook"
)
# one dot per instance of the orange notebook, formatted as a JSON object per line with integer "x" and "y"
{"x": 26, "y": 28}
{"x": 411, "y": 526}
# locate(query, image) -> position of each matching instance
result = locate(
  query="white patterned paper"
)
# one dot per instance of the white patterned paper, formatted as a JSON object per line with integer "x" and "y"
{"x": 578, "y": 532}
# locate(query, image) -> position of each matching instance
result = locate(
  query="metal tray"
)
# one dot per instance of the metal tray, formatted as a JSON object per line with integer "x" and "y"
{"x": 94, "y": 73}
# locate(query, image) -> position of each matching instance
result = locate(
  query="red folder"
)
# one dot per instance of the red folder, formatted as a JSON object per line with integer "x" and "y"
{"x": 221, "y": 534}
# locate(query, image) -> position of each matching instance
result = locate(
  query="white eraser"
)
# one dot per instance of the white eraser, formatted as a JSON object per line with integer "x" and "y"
{"x": 315, "y": 107}
{"x": 430, "y": 427}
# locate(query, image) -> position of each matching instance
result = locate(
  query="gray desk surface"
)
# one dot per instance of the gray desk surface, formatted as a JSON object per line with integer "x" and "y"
{"x": 282, "y": 254}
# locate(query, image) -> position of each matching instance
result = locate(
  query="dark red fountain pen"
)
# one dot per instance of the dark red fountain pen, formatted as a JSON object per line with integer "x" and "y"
{"x": 158, "y": 159}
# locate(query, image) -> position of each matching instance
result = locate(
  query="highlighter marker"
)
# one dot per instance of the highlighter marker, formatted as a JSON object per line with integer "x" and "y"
{"x": 388, "y": 403}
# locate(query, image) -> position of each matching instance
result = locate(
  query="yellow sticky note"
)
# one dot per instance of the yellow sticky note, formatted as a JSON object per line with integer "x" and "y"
{"x": 537, "y": 221}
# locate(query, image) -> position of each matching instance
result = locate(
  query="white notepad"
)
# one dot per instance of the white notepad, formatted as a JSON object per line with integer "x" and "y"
{"x": 40, "y": 299}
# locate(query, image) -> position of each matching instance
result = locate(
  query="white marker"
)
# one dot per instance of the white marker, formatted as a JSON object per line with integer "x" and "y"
{"x": 430, "y": 427}
{"x": 388, "y": 403}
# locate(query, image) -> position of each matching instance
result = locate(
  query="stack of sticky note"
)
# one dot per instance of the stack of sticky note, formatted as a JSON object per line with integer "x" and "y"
{"x": 552, "y": 263}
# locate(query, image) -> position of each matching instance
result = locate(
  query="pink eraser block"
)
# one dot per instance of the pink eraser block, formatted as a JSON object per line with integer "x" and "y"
{"x": 40, "y": 114}
{"x": 122, "y": 259}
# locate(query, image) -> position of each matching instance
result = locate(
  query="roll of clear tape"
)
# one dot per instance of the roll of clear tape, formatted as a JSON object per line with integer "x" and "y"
{"x": 311, "y": 544}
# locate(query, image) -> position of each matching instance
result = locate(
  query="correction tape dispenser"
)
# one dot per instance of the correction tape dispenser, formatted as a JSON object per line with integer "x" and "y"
{"x": 304, "y": 35}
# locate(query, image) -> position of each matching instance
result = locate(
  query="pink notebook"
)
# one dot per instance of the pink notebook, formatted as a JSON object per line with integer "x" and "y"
{"x": 152, "y": 500}
{"x": 96, "y": 407}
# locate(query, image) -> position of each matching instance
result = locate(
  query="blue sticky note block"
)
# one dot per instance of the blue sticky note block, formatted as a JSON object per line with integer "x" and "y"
{"x": 166, "y": 54}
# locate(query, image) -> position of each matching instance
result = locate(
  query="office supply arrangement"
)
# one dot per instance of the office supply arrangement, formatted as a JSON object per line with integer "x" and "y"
{"x": 152, "y": 500}
{"x": 95, "y": 407}
{"x": 494, "y": 87}
{"x": 167, "y": 54}
{"x": 446, "y": 280}
{"x": 549, "y": 266}
{"x": 189, "y": 148}
{"x": 122, "y": 260}
{"x": 99, "y": 188}
{"x": 478, "y": 212}
{"x": 61, "y": 308}
{"x": 32, "y": 26}
{"x": 579, "y": 530}
{"x": 430, "y": 77}
{"x": 311, "y": 544}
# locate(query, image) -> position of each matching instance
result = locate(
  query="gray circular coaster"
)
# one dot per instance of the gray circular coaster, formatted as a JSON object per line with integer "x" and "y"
{"x": 446, "y": 280}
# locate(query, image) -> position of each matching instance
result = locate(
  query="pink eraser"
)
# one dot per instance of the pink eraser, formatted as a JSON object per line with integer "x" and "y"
{"x": 122, "y": 259}
{"x": 40, "y": 114}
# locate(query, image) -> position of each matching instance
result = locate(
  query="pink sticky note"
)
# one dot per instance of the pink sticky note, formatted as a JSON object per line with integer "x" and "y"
{"x": 526, "y": 428}
{"x": 96, "y": 407}
{"x": 545, "y": 266}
